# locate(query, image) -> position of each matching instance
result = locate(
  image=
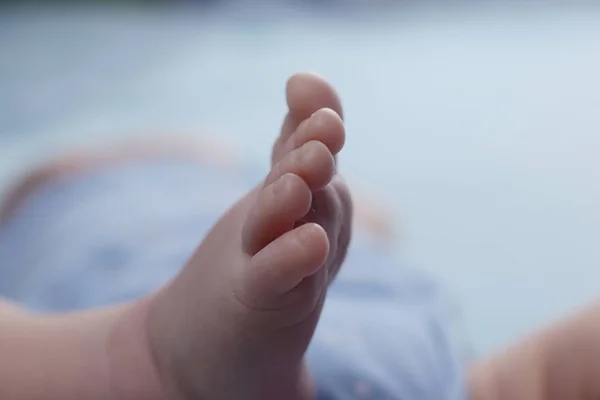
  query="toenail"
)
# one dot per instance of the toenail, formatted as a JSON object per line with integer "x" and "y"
{"x": 305, "y": 151}
{"x": 324, "y": 119}
{"x": 316, "y": 113}
{"x": 308, "y": 234}
{"x": 325, "y": 111}
{"x": 281, "y": 184}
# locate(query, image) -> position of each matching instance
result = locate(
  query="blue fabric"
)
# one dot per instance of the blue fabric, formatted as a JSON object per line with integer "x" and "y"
{"x": 387, "y": 331}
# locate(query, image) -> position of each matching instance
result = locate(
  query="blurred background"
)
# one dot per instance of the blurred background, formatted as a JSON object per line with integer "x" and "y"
{"x": 479, "y": 124}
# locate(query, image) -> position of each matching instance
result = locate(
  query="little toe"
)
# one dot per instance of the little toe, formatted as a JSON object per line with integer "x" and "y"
{"x": 313, "y": 162}
{"x": 277, "y": 208}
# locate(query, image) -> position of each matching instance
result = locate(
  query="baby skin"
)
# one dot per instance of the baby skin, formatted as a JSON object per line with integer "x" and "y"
{"x": 237, "y": 320}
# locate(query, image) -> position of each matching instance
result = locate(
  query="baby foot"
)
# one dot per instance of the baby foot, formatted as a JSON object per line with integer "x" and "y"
{"x": 236, "y": 322}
